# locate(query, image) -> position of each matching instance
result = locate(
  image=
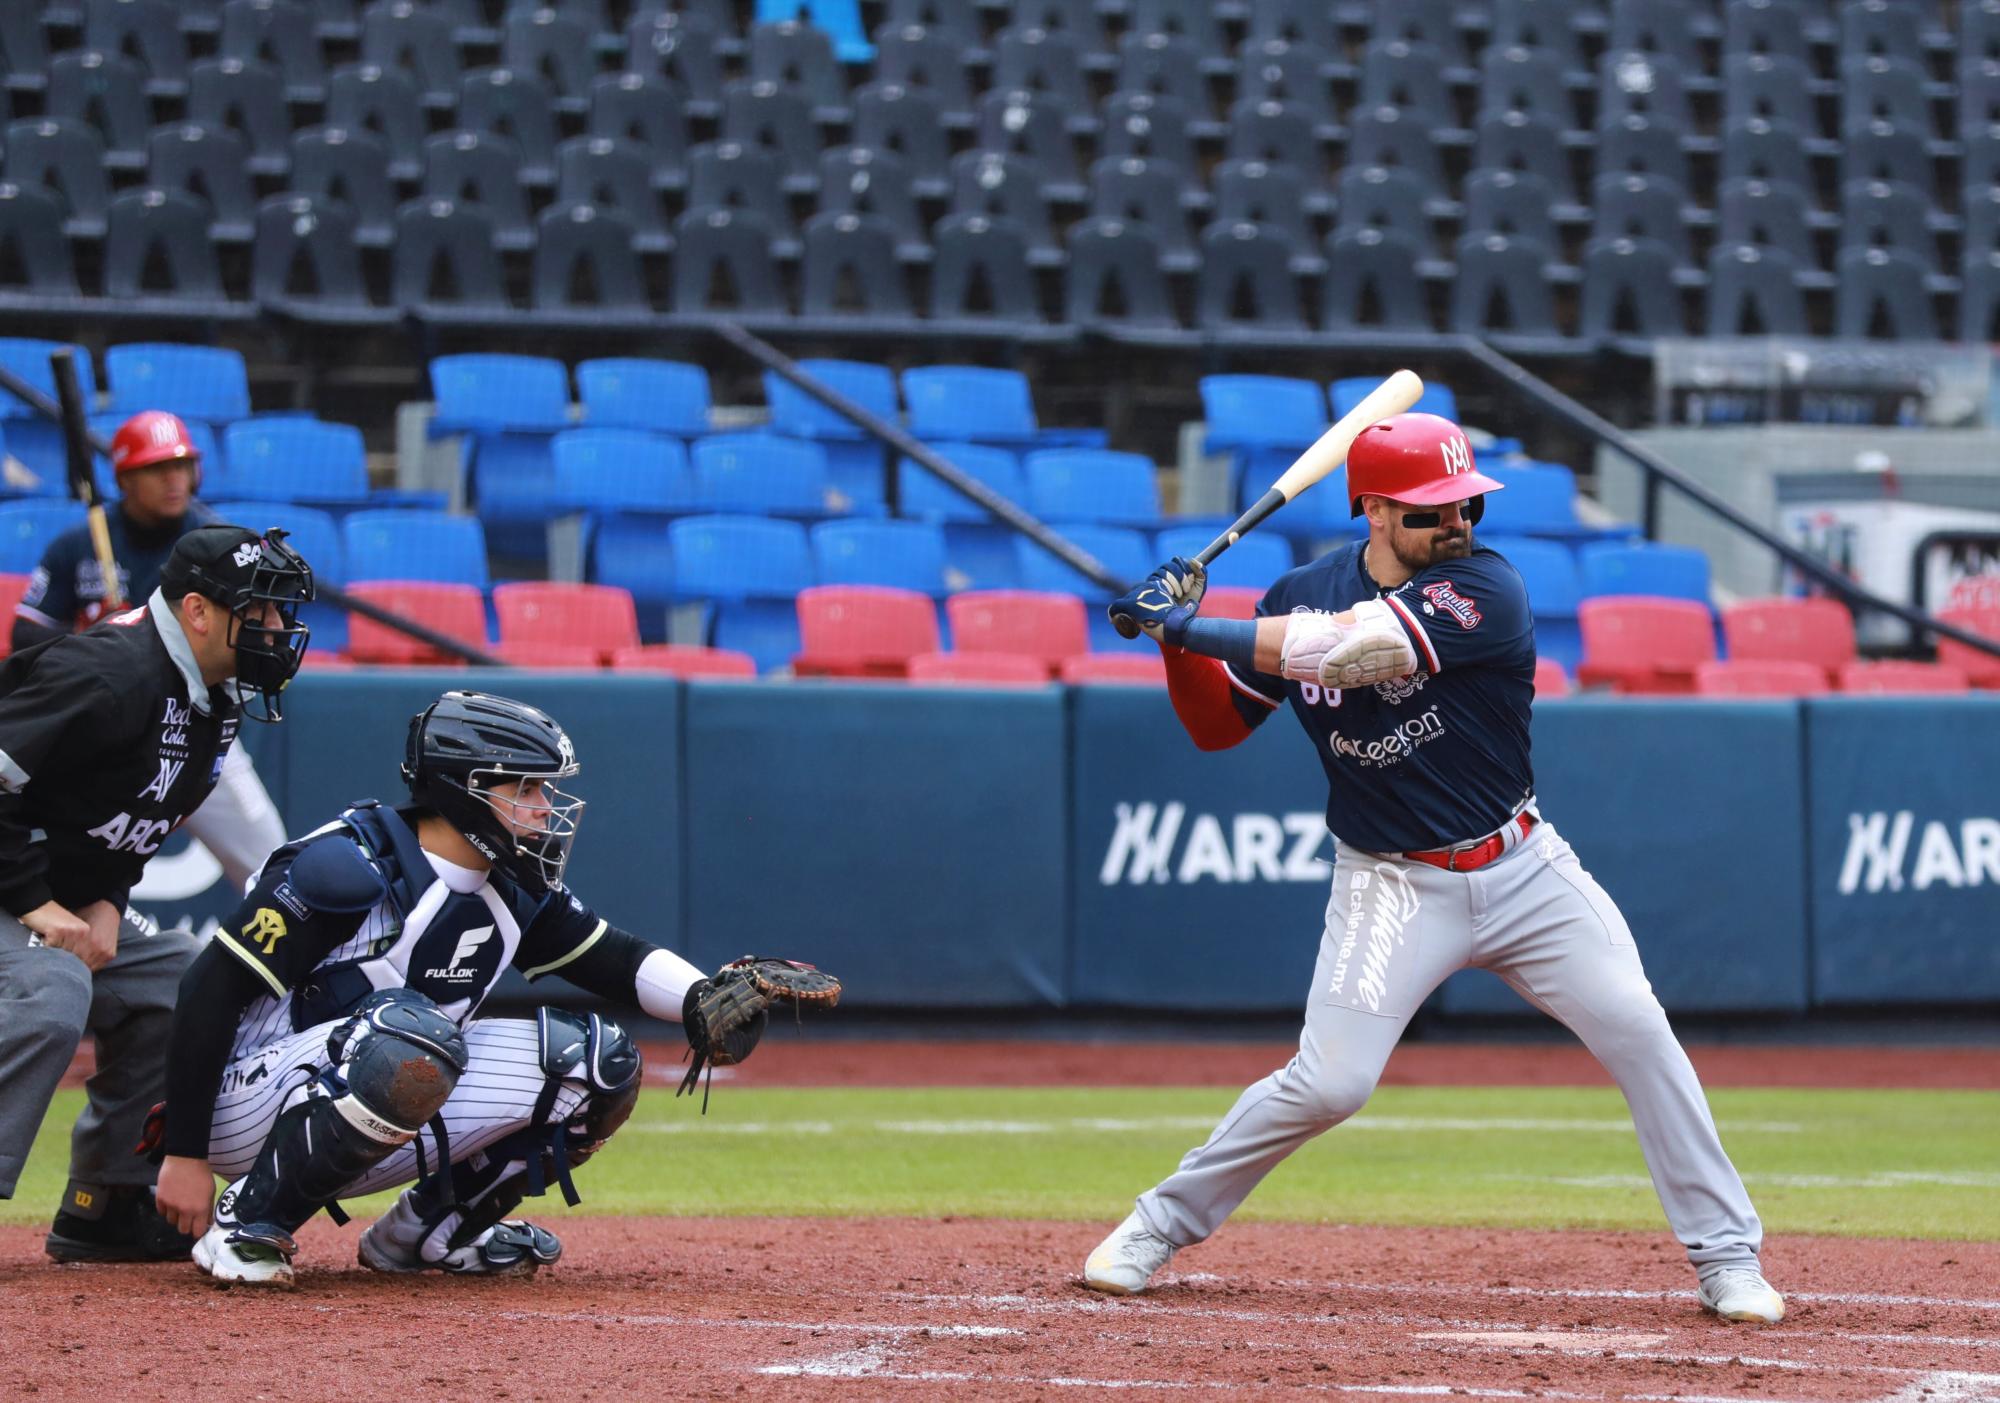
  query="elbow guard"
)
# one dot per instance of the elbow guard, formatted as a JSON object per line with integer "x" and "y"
{"x": 1373, "y": 648}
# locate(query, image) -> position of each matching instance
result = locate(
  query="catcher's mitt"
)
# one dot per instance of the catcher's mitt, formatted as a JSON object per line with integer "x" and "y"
{"x": 724, "y": 1016}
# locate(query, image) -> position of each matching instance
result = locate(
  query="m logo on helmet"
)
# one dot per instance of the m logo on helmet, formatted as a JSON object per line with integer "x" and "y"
{"x": 1457, "y": 455}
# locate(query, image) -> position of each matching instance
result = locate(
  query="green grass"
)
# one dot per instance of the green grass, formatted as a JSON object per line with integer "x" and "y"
{"x": 1869, "y": 1163}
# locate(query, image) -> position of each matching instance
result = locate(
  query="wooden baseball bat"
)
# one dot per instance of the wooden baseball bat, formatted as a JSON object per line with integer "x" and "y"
{"x": 76, "y": 437}
{"x": 1329, "y": 451}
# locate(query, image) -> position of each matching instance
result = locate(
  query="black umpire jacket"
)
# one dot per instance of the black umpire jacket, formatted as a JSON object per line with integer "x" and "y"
{"x": 108, "y": 739}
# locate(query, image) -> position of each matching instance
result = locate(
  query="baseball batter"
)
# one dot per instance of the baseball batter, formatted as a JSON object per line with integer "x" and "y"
{"x": 1409, "y": 658}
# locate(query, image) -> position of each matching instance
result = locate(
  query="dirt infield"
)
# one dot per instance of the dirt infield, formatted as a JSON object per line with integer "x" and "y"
{"x": 833, "y": 1309}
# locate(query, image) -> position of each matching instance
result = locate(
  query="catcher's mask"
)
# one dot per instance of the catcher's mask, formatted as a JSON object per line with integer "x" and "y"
{"x": 465, "y": 745}
{"x": 241, "y": 570}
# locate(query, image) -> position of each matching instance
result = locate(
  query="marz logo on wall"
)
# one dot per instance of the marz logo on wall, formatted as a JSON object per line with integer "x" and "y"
{"x": 1159, "y": 843}
{"x": 1888, "y": 852}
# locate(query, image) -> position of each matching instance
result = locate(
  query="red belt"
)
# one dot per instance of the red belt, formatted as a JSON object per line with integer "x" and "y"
{"x": 1479, "y": 854}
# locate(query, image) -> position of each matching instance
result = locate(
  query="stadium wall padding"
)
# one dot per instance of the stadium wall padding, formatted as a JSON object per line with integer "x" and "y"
{"x": 1049, "y": 848}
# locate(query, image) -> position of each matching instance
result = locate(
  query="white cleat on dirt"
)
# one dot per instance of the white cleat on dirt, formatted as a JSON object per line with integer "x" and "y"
{"x": 237, "y": 1256}
{"x": 1124, "y": 1262}
{"x": 1742, "y": 1294}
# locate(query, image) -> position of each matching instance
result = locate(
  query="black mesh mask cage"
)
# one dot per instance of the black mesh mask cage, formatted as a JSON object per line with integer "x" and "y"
{"x": 466, "y": 744}
{"x": 267, "y": 656}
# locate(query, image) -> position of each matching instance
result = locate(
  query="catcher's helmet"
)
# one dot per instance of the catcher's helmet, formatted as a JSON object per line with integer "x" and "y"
{"x": 465, "y": 743}
{"x": 153, "y": 436}
{"x": 1418, "y": 458}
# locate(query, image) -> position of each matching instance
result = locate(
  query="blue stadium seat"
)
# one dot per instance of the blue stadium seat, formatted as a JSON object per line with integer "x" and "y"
{"x": 1117, "y": 489}
{"x": 29, "y": 359}
{"x": 1126, "y": 553}
{"x": 486, "y": 393}
{"x": 752, "y": 569}
{"x": 1323, "y": 513}
{"x": 1245, "y": 411}
{"x": 1540, "y": 500}
{"x": 26, "y": 528}
{"x": 414, "y": 545}
{"x": 853, "y": 459}
{"x": 927, "y": 498}
{"x": 1549, "y": 572}
{"x": 760, "y": 473}
{"x": 1644, "y": 567}
{"x": 603, "y": 470}
{"x": 1436, "y": 399}
{"x": 293, "y": 459}
{"x": 512, "y": 478}
{"x": 969, "y": 402}
{"x": 315, "y": 536}
{"x": 1252, "y": 563}
{"x": 902, "y": 554}
{"x": 195, "y": 382}
{"x": 668, "y": 397}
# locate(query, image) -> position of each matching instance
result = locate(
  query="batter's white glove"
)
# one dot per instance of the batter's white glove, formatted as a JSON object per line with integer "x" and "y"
{"x": 1372, "y": 648}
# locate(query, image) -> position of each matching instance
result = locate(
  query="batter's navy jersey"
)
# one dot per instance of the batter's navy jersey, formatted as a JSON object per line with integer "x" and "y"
{"x": 1439, "y": 757}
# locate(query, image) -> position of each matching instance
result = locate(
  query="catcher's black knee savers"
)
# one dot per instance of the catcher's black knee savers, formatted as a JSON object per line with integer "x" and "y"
{"x": 395, "y": 1063}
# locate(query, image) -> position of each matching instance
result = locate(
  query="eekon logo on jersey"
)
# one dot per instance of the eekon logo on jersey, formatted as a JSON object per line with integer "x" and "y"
{"x": 468, "y": 945}
{"x": 1879, "y": 853}
{"x": 1252, "y": 848}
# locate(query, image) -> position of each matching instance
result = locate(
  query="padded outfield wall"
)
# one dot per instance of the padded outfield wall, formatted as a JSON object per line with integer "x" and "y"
{"x": 1069, "y": 849}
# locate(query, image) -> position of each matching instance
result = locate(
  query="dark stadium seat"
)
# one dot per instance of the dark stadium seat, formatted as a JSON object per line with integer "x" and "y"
{"x": 1280, "y": 135}
{"x": 1768, "y": 679}
{"x": 1644, "y": 567}
{"x": 799, "y": 57}
{"x": 1754, "y": 148}
{"x": 1044, "y": 61}
{"x": 1077, "y": 18}
{"x": 31, "y": 240}
{"x": 1656, "y": 26}
{"x": 1095, "y": 485}
{"x": 1901, "y": 679}
{"x": 1879, "y": 28}
{"x": 1979, "y": 95}
{"x": 958, "y": 19}
{"x": 1166, "y": 65}
{"x": 1885, "y": 151}
{"x": 517, "y": 106}
{"x": 585, "y": 271}
{"x": 350, "y": 166}
{"x": 1031, "y": 124}
{"x": 1148, "y": 127}
{"x": 279, "y": 32}
{"x": 960, "y": 669}
{"x": 1251, "y": 192}
{"x": 248, "y": 97}
{"x": 105, "y": 92}
{"x": 1546, "y": 25}
{"x": 732, "y": 175}
{"x": 1006, "y": 187}
{"x": 684, "y": 48}
{"x": 1883, "y": 289}
{"x": 497, "y": 392}
{"x": 1753, "y": 291}
{"x": 863, "y": 630}
{"x": 1978, "y": 31}
{"x": 844, "y": 251}
{"x": 291, "y": 458}
{"x": 1115, "y": 278}
{"x": 1980, "y": 167}
{"x": 1246, "y": 282}
{"x": 1385, "y": 197}
{"x": 980, "y": 403}
{"x": 898, "y": 554}
{"x": 1638, "y": 145}
{"x": 455, "y": 610}
{"x": 1384, "y": 137}
{"x": 646, "y": 110}
{"x": 1644, "y": 85}
{"x": 863, "y": 180}
{"x": 1195, "y": 20}
{"x": 1403, "y": 74}
{"x": 1891, "y": 215}
{"x": 1372, "y": 280}
{"x": 148, "y": 27}
{"x": 307, "y": 262}
{"x": 1632, "y": 206}
{"x": 24, "y": 49}
{"x": 1815, "y": 631}
{"x": 1979, "y": 296}
{"x": 667, "y": 397}
{"x": 1134, "y": 191}
{"x": 408, "y": 544}
{"x": 1517, "y": 141}
{"x": 1515, "y": 79}
{"x": 1628, "y": 291}
{"x": 910, "y": 123}
{"x": 1757, "y": 212}
{"x": 1502, "y": 291}
{"x": 1042, "y": 625}
{"x": 1642, "y": 645}
{"x": 759, "y": 474}
{"x": 26, "y": 528}
{"x": 1883, "y": 89}
{"x": 922, "y": 56}
{"x": 196, "y": 382}
{"x": 1774, "y": 28}
{"x": 733, "y": 242}
{"x": 66, "y": 158}
{"x": 1776, "y": 87}
{"x": 1306, "y": 21}
{"x": 555, "y": 45}
{"x": 383, "y": 102}
{"x": 612, "y": 174}
{"x": 190, "y": 157}
{"x": 685, "y": 661}
{"x": 603, "y": 470}
{"x": 1291, "y": 71}
{"x": 170, "y": 227}
{"x": 1510, "y": 202}
{"x": 481, "y": 169}
{"x": 445, "y": 269}
{"x": 982, "y": 272}
{"x": 416, "y": 39}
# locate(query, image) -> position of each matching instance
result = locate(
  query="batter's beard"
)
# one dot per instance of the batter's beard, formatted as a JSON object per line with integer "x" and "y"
{"x": 1416, "y": 556}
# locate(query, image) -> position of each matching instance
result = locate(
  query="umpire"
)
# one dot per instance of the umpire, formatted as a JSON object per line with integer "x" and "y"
{"x": 109, "y": 739}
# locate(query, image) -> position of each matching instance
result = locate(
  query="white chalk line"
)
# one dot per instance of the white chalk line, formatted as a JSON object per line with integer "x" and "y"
{"x": 1118, "y": 1125}
{"x": 1883, "y": 1179}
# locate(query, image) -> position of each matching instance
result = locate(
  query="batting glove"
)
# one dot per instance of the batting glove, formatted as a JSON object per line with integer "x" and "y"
{"x": 1166, "y": 602}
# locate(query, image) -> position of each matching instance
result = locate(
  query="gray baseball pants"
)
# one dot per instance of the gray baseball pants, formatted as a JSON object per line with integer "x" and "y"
{"x": 1394, "y": 929}
{"x": 48, "y": 1001}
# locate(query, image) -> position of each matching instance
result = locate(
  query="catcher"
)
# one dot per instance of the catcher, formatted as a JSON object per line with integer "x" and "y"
{"x": 326, "y": 1042}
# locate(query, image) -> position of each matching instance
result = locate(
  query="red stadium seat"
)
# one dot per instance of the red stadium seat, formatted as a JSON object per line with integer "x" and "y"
{"x": 1816, "y": 631}
{"x": 1759, "y": 677}
{"x": 979, "y": 669}
{"x": 1980, "y": 669}
{"x": 1644, "y": 645}
{"x": 1230, "y": 602}
{"x": 685, "y": 662}
{"x": 321, "y": 660}
{"x": 453, "y": 610}
{"x": 12, "y": 587}
{"x": 535, "y": 652}
{"x": 863, "y": 630}
{"x": 1895, "y": 678}
{"x": 1115, "y": 669}
{"x": 1043, "y": 625}
{"x": 600, "y": 617}
{"x": 1550, "y": 680}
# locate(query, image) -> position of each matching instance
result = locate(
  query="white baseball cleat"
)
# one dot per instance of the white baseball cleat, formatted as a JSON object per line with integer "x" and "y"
{"x": 233, "y": 1255}
{"x": 1124, "y": 1262}
{"x": 1741, "y": 1293}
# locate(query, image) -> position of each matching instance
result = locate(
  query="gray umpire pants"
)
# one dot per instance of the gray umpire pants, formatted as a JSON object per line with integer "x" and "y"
{"x": 48, "y": 1001}
{"x": 1394, "y": 930}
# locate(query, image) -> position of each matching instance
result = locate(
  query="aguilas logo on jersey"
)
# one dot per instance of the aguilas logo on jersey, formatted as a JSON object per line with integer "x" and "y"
{"x": 1444, "y": 595}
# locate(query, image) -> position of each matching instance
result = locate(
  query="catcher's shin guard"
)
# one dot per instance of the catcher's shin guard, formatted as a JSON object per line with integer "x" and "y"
{"x": 460, "y": 1227}
{"x": 396, "y": 1062}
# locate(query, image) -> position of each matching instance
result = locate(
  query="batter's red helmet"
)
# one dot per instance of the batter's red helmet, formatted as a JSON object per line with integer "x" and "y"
{"x": 1417, "y": 458}
{"x": 152, "y": 436}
